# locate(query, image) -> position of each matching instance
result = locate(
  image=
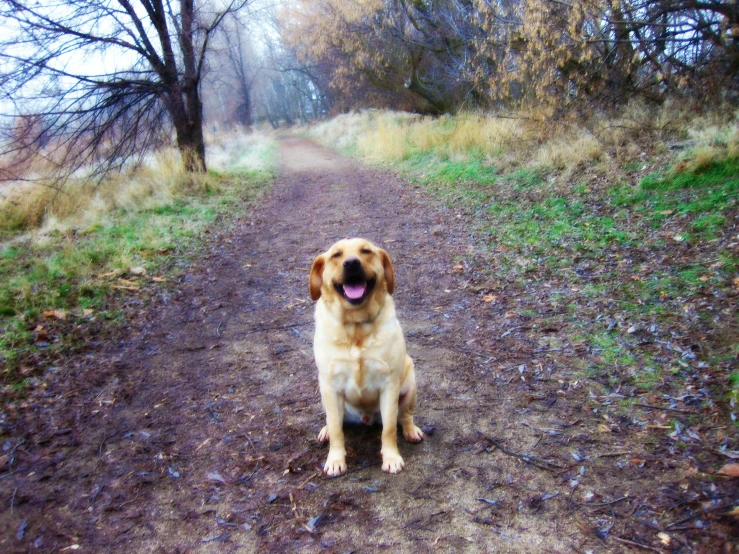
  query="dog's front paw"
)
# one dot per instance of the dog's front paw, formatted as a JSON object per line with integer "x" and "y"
{"x": 392, "y": 463}
{"x": 335, "y": 465}
{"x": 323, "y": 435}
{"x": 413, "y": 434}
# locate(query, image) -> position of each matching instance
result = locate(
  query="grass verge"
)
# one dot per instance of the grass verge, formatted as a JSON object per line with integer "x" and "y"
{"x": 64, "y": 284}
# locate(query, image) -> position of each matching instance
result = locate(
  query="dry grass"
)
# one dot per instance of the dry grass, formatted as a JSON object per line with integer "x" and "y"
{"x": 25, "y": 205}
{"x": 712, "y": 142}
{"x": 570, "y": 150}
{"x": 468, "y": 133}
{"x": 602, "y": 143}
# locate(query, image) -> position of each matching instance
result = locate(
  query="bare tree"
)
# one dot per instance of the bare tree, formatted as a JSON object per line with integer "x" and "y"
{"x": 105, "y": 80}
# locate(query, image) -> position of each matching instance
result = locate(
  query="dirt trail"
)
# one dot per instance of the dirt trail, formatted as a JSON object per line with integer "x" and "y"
{"x": 197, "y": 433}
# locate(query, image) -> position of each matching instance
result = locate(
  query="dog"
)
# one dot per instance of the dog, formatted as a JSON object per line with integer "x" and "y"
{"x": 363, "y": 366}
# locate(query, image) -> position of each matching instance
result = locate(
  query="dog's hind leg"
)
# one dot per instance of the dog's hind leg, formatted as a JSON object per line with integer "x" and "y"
{"x": 392, "y": 461}
{"x": 406, "y": 405}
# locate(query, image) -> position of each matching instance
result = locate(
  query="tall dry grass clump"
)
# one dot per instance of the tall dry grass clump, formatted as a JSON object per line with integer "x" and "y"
{"x": 599, "y": 141}
{"x": 80, "y": 200}
{"x": 711, "y": 141}
{"x": 569, "y": 150}
{"x": 394, "y": 136}
{"x": 380, "y": 135}
{"x": 161, "y": 178}
{"x": 468, "y": 134}
{"x": 241, "y": 149}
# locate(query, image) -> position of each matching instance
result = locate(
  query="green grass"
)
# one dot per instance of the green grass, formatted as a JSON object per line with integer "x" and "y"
{"x": 525, "y": 178}
{"x": 734, "y": 384}
{"x": 458, "y": 182}
{"x": 81, "y": 271}
{"x": 715, "y": 174}
{"x": 540, "y": 227}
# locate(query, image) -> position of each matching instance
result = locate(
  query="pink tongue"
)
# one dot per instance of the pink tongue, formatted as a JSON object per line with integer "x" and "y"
{"x": 354, "y": 292}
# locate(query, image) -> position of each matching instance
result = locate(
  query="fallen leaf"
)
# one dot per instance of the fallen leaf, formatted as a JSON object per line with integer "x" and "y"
{"x": 114, "y": 273}
{"x": 127, "y": 283}
{"x": 733, "y": 454}
{"x": 158, "y": 279}
{"x": 679, "y": 238}
{"x": 56, "y": 314}
{"x": 667, "y": 212}
{"x": 664, "y": 538}
{"x": 458, "y": 267}
{"x": 489, "y": 298}
{"x": 137, "y": 271}
{"x": 731, "y": 470}
{"x": 119, "y": 287}
{"x": 704, "y": 278}
{"x": 87, "y": 312}
{"x": 312, "y": 524}
{"x": 734, "y": 512}
{"x": 21, "y": 532}
{"x": 602, "y": 428}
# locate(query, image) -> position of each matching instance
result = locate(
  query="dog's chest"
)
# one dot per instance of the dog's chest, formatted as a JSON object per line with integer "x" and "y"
{"x": 361, "y": 366}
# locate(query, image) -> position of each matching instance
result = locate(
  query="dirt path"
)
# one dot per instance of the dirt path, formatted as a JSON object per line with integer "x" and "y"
{"x": 197, "y": 433}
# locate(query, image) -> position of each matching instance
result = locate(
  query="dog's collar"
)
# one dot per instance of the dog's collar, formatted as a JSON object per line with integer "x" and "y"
{"x": 372, "y": 320}
{"x": 366, "y": 321}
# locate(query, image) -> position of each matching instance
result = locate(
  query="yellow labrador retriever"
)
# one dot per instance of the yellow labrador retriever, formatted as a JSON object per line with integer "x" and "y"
{"x": 363, "y": 367}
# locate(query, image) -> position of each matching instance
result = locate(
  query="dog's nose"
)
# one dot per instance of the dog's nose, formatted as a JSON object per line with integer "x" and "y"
{"x": 352, "y": 263}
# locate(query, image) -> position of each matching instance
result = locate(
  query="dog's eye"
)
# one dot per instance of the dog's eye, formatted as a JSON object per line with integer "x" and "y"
{"x": 336, "y": 254}
{"x": 366, "y": 251}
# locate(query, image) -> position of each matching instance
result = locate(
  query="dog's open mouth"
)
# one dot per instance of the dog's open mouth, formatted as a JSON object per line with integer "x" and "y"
{"x": 357, "y": 291}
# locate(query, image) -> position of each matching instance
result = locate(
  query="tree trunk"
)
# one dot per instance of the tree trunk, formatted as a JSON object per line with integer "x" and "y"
{"x": 188, "y": 121}
{"x": 188, "y": 125}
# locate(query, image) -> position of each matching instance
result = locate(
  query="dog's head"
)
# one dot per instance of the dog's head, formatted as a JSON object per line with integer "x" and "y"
{"x": 352, "y": 271}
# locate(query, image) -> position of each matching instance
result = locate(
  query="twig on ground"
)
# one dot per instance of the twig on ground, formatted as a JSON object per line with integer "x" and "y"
{"x": 632, "y": 543}
{"x": 316, "y": 474}
{"x": 695, "y": 515}
{"x": 665, "y": 409}
{"x": 600, "y": 504}
{"x": 526, "y": 458}
{"x": 102, "y": 444}
{"x": 613, "y": 454}
{"x": 262, "y": 328}
{"x": 12, "y": 501}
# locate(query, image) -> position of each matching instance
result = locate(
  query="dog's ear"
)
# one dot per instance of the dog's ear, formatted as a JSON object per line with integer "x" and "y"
{"x": 316, "y": 277}
{"x": 389, "y": 271}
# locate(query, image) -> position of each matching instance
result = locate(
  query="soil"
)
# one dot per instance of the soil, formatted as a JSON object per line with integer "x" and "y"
{"x": 195, "y": 429}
